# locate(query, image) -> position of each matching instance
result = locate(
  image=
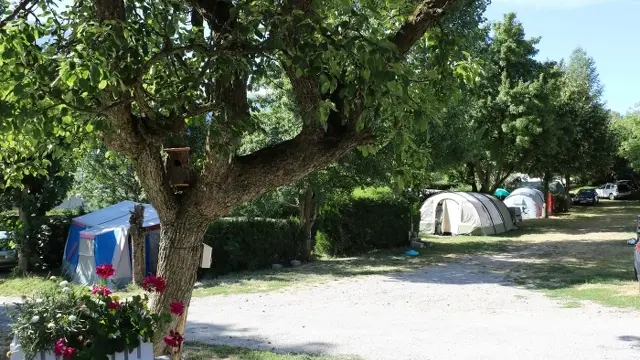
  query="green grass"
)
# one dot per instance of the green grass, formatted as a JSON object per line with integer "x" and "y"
{"x": 213, "y": 352}
{"x": 22, "y": 286}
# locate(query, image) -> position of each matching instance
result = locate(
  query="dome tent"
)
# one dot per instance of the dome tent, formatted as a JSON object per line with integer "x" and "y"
{"x": 530, "y": 201}
{"x": 462, "y": 213}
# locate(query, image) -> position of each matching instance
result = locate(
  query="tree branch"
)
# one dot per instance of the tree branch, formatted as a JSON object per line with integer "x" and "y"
{"x": 426, "y": 15}
{"x": 22, "y": 6}
{"x": 126, "y": 136}
{"x": 203, "y": 109}
{"x": 266, "y": 169}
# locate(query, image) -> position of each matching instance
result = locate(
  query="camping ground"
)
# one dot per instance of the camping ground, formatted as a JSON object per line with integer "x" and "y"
{"x": 572, "y": 271}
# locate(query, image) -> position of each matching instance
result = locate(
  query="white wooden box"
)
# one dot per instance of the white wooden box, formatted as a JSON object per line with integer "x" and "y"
{"x": 142, "y": 352}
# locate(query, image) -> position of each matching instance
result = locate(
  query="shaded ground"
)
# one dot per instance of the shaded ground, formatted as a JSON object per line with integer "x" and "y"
{"x": 453, "y": 311}
{"x": 479, "y": 306}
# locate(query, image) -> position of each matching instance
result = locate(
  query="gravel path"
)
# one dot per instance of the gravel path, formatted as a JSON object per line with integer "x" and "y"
{"x": 451, "y": 311}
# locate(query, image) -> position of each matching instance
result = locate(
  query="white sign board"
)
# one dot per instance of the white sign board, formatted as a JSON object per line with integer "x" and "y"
{"x": 206, "y": 256}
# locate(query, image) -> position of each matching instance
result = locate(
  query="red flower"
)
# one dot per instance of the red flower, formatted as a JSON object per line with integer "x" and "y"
{"x": 113, "y": 305}
{"x": 174, "y": 339}
{"x": 177, "y": 308}
{"x": 154, "y": 283}
{"x": 105, "y": 271}
{"x": 100, "y": 290}
{"x": 60, "y": 347}
{"x": 68, "y": 352}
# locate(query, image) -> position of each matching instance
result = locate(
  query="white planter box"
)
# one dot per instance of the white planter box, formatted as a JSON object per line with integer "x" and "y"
{"x": 142, "y": 352}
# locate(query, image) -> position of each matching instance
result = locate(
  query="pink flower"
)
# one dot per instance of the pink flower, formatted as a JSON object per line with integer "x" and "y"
{"x": 105, "y": 271}
{"x": 154, "y": 283}
{"x": 177, "y": 308}
{"x": 113, "y": 305}
{"x": 68, "y": 352}
{"x": 174, "y": 339}
{"x": 100, "y": 290}
{"x": 60, "y": 347}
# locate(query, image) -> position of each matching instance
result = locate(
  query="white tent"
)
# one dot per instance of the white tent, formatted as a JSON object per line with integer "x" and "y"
{"x": 461, "y": 213}
{"x": 530, "y": 201}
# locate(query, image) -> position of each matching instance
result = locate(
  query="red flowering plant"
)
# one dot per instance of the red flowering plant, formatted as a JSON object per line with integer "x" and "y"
{"x": 74, "y": 323}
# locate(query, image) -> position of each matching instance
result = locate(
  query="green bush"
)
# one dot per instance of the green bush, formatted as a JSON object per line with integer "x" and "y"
{"x": 252, "y": 243}
{"x": 357, "y": 224}
{"x": 51, "y": 237}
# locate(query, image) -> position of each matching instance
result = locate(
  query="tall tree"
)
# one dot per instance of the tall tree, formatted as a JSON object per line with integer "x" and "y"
{"x": 587, "y": 144}
{"x": 147, "y": 69}
{"x": 509, "y": 112}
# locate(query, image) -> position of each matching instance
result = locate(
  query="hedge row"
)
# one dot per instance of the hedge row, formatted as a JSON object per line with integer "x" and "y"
{"x": 252, "y": 243}
{"x": 354, "y": 225}
{"x": 346, "y": 226}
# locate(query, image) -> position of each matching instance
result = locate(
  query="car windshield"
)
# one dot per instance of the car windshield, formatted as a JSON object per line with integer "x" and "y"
{"x": 587, "y": 192}
{"x": 623, "y": 187}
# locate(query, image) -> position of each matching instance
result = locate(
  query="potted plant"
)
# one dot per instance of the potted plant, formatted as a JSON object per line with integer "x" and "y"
{"x": 80, "y": 323}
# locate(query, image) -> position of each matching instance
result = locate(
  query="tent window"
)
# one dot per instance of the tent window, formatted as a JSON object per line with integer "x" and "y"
{"x": 86, "y": 247}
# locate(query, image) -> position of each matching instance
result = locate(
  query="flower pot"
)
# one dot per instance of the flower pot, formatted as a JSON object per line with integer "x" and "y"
{"x": 142, "y": 352}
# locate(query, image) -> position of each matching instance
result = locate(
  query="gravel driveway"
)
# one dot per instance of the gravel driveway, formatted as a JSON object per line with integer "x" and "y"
{"x": 452, "y": 311}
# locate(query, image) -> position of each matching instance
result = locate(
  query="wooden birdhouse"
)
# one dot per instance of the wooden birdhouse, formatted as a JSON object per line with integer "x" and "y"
{"x": 178, "y": 166}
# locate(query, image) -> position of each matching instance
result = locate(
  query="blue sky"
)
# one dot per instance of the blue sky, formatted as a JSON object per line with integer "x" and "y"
{"x": 609, "y": 31}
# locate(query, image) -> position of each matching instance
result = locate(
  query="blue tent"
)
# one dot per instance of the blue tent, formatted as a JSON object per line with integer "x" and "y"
{"x": 102, "y": 237}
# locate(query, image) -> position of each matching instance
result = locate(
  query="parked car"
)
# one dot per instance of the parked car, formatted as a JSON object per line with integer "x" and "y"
{"x": 614, "y": 191}
{"x": 586, "y": 196}
{"x": 8, "y": 257}
{"x": 630, "y": 183}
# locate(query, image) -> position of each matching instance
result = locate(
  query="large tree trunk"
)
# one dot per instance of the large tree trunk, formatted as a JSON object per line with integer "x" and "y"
{"x": 137, "y": 233}
{"x": 178, "y": 262}
{"x": 307, "y": 207}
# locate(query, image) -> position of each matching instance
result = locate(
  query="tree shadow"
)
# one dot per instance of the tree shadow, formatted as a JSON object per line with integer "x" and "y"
{"x": 249, "y": 338}
{"x": 633, "y": 340}
{"x": 549, "y": 266}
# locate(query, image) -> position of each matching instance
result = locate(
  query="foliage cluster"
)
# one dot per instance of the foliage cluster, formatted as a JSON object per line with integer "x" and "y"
{"x": 49, "y": 237}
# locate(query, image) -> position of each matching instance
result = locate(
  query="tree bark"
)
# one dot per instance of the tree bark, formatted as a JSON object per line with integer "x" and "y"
{"x": 307, "y": 207}
{"x": 137, "y": 234}
{"x": 178, "y": 262}
{"x": 471, "y": 175}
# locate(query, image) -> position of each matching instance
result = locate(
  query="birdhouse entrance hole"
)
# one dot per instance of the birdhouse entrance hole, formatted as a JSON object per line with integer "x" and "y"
{"x": 178, "y": 166}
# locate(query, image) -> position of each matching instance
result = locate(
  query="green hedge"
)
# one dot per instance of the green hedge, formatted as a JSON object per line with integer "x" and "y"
{"x": 51, "y": 238}
{"x": 359, "y": 224}
{"x": 252, "y": 243}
